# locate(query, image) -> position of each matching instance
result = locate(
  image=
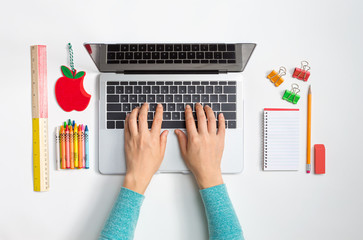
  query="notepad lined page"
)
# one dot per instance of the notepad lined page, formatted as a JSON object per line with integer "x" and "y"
{"x": 281, "y": 139}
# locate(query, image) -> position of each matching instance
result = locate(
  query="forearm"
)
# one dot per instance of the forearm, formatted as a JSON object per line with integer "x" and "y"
{"x": 222, "y": 219}
{"x": 123, "y": 218}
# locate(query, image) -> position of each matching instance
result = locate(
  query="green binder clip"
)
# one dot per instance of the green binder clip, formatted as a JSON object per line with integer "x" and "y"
{"x": 292, "y": 96}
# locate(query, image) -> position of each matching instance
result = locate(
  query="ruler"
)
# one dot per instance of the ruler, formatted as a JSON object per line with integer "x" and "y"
{"x": 40, "y": 118}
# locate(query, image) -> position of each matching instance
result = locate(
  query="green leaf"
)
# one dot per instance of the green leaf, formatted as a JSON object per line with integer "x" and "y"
{"x": 66, "y": 72}
{"x": 79, "y": 74}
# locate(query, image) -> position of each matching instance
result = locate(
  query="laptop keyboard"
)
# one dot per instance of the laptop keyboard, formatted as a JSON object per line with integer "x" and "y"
{"x": 122, "y": 97}
{"x": 171, "y": 54}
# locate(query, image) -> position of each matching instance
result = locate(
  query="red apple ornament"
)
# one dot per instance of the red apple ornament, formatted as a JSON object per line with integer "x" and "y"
{"x": 70, "y": 92}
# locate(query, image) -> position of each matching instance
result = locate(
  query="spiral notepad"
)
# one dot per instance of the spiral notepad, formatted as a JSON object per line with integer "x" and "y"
{"x": 281, "y": 139}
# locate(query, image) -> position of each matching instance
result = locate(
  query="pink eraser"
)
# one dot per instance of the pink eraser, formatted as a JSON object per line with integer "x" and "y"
{"x": 319, "y": 158}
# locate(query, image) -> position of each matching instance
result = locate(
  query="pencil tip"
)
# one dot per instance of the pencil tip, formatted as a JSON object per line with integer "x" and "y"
{"x": 309, "y": 89}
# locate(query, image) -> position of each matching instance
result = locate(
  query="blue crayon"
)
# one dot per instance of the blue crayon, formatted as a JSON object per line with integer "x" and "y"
{"x": 86, "y": 147}
{"x": 73, "y": 123}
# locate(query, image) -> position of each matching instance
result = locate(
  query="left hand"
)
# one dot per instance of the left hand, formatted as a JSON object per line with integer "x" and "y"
{"x": 144, "y": 148}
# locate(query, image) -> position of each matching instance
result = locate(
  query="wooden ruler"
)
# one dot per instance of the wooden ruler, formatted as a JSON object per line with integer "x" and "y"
{"x": 40, "y": 118}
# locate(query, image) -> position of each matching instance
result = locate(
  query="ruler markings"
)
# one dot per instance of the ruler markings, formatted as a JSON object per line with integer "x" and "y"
{"x": 40, "y": 118}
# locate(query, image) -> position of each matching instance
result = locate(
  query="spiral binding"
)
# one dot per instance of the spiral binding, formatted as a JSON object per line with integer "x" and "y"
{"x": 265, "y": 140}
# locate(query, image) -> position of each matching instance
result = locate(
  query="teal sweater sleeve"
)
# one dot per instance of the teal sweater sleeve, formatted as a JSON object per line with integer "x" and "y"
{"x": 123, "y": 218}
{"x": 222, "y": 219}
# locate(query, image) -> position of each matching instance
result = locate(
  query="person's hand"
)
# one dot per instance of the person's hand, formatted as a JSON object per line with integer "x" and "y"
{"x": 202, "y": 149}
{"x": 144, "y": 148}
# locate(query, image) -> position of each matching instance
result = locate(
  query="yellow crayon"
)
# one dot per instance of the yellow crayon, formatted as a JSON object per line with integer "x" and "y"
{"x": 71, "y": 147}
{"x": 75, "y": 144}
{"x": 60, "y": 145}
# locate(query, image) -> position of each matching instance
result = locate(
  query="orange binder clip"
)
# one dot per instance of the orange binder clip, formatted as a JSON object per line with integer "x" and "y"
{"x": 303, "y": 72}
{"x": 275, "y": 77}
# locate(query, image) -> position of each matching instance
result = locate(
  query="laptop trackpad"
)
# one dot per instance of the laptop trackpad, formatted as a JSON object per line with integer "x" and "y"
{"x": 111, "y": 151}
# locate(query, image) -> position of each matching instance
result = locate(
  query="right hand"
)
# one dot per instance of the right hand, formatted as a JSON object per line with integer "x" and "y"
{"x": 202, "y": 149}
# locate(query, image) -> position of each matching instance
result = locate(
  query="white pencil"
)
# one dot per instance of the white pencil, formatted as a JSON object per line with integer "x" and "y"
{"x": 57, "y": 146}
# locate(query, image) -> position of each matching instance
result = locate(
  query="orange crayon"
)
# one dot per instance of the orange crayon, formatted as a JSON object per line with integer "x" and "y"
{"x": 63, "y": 147}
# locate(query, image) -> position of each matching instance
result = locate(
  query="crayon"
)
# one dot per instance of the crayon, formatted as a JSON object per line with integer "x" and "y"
{"x": 80, "y": 147}
{"x": 86, "y": 146}
{"x": 75, "y": 142}
{"x": 63, "y": 147}
{"x": 71, "y": 151}
{"x": 67, "y": 147}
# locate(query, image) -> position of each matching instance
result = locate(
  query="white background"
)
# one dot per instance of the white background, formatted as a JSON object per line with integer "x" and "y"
{"x": 270, "y": 205}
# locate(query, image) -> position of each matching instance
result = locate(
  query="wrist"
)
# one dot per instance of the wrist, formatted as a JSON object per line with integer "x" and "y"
{"x": 209, "y": 180}
{"x": 135, "y": 184}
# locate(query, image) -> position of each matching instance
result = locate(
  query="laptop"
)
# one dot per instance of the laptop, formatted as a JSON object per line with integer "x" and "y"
{"x": 173, "y": 74}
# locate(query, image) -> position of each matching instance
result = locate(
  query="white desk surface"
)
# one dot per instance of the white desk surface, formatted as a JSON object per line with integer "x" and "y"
{"x": 270, "y": 205}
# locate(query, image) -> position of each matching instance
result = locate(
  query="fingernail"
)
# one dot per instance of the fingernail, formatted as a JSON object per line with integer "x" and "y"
{"x": 159, "y": 105}
{"x": 187, "y": 106}
{"x": 221, "y": 114}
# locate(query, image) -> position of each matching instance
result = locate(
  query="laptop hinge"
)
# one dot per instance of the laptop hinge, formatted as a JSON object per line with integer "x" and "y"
{"x": 171, "y": 72}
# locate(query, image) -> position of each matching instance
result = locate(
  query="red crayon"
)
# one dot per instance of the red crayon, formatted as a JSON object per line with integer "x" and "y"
{"x": 80, "y": 147}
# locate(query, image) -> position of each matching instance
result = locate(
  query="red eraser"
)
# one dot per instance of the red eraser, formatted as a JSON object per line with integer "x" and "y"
{"x": 319, "y": 158}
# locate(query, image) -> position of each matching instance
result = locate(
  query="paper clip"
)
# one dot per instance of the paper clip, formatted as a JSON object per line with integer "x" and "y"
{"x": 291, "y": 96}
{"x": 303, "y": 72}
{"x": 275, "y": 77}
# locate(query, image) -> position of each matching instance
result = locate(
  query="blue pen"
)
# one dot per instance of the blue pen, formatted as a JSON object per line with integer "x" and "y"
{"x": 86, "y": 147}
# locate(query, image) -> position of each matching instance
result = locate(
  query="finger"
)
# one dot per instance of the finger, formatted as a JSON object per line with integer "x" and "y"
{"x": 182, "y": 139}
{"x": 163, "y": 139}
{"x": 189, "y": 121}
{"x": 133, "y": 121}
{"x": 126, "y": 129}
{"x": 221, "y": 125}
{"x": 158, "y": 119}
{"x": 202, "y": 121}
{"x": 211, "y": 120}
{"x": 143, "y": 117}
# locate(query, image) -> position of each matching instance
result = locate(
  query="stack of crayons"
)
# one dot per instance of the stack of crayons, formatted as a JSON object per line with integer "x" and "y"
{"x": 72, "y": 146}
